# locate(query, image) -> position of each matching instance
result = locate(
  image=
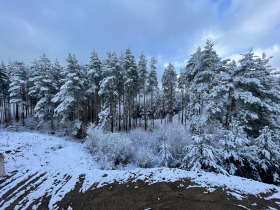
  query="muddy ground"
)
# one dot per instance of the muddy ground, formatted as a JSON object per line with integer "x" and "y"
{"x": 163, "y": 195}
{"x": 139, "y": 195}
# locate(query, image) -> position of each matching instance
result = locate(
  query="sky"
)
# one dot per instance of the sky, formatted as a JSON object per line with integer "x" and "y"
{"x": 169, "y": 30}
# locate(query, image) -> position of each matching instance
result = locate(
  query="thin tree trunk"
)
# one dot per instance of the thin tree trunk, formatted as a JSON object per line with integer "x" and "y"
{"x": 171, "y": 106}
{"x": 112, "y": 116}
{"x": 152, "y": 109}
{"x": 145, "y": 110}
{"x": 22, "y": 114}
{"x": 182, "y": 117}
{"x": 124, "y": 114}
{"x": 140, "y": 110}
{"x": 129, "y": 103}
{"x": 96, "y": 107}
{"x": 17, "y": 114}
{"x": 136, "y": 111}
{"x": 119, "y": 112}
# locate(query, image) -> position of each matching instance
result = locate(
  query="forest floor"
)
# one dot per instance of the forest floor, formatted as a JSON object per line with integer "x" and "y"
{"x": 47, "y": 172}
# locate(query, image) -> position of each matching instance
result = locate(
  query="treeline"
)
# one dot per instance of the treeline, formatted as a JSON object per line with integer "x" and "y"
{"x": 119, "y": 93}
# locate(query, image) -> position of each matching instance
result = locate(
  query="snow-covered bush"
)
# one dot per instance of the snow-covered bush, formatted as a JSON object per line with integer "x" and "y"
{"x": 176, "y": 136}
{"x": 165, "y": 156}
{"x": 111, "y": 150}
{"x": 104, "y": 119}
{"x": 145, "y": 147}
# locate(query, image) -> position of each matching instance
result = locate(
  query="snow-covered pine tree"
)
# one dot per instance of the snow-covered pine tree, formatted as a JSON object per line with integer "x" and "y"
{"x": 132, "y": 80}
{"x": 182, "y": 86}
{"x": 204, "y": 80}
{"x": 169, "y": 81}
{"x": 229, "y": 100}
{"x": 256, "y": 95}
{"x": 142, "y": 72}
{"x": 4, "y": 87}
{"x": 268, "y": 157}
{"x": 152, "y": 84}
{"x": 44, "y": 84}
{"x": 233, "y": 144}
{"x": 108, "y": 86}
{"x": 194, "y": 102}
{"x": 94, "y": 77}
{"x": 18, "y": 87}
{"x": 71, "y": 95}
{"x": 56, "y": 75}
{"x": 201, "y": 155}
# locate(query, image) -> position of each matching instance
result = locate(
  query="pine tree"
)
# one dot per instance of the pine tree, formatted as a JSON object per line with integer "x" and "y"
{"x": 181, "y": 87}
{"x": 46, "y": 88}
{"x": 108, "y": 86}
{"x": 142, "y": 71}
{"x": 95, "y": 77}
{"x": 256, "y": 95}
{"x": 268, "y": 156}
{"x": 18, "y": 89}
{"x": 4, "y": 87}
{"x": 152, "y": 84}
{"x": 169, "y": 80}
{"x": 204, "y": 80}
{"x": 132, "y": 80}
{"x": 71, "y": 95}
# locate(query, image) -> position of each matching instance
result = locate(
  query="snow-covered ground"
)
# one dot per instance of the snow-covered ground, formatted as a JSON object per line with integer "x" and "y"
{"x": 52, "y": 166}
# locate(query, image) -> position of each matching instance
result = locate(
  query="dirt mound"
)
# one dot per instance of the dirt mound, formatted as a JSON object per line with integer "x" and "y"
{"x": 183, "y": 194}
{"x": 164, "y": 195}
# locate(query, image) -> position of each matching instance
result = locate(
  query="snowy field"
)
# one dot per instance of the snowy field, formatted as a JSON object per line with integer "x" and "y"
{"x": 50, "y": 166}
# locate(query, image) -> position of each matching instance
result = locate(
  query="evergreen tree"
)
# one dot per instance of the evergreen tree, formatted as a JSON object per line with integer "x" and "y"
{"x": 71, "y": 95}
{"x": 94, "y": 78}
{"x": 256, "y": 95}
{"x": 142, "y": 71}
{"x": 181, "y": 87}
{"x": 132, "y": 80}
{"x": 108, "y": 86}
{"x": 169, "y": 80}
{"x": 18, "y": 87}
{"x": 152, "y": 84}
{"x": 45, "y": 85}
{"x": 204, "y": 80}
{"x": 268, "y": 156}
{"x": 4, "y": 87}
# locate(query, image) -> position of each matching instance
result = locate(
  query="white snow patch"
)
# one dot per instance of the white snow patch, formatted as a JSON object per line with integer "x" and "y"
{"x": 238, "y": 196}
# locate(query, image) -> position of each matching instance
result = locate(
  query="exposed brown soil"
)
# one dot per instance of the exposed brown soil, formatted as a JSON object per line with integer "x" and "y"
{"x": 139, "y": 195}
{"x": 163, "y": 195}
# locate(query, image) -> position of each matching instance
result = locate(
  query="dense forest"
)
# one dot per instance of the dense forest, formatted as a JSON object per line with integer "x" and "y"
{"x": 234, "y": 103}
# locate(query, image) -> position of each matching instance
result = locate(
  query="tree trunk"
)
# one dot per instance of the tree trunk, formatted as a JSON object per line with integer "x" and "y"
{"x": 140, "y": 124}
{"x": 182, "y": 117}
{"x": 22, "y": 114}
{"x": 136, "y": 109}
{"x": 119, "y": 112}
{"x": 112, "y": 116}
{"x": 124, "y": 114}
{"x": 152, "y": 109}
{"x": 17, "y": 114}
{"x": 96, "y": 107}
{"x": 129, "y": 104}
{"x": 145, "y": 110}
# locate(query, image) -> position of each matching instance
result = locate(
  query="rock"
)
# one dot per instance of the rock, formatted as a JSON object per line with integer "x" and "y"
{"x": 2, "y": 167}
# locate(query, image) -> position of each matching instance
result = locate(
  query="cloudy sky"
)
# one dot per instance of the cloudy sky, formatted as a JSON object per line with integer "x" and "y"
{"x": 169, "y": 30}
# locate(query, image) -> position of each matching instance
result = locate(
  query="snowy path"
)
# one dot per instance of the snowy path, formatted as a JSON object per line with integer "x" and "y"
{"x": 41, "y": 166}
